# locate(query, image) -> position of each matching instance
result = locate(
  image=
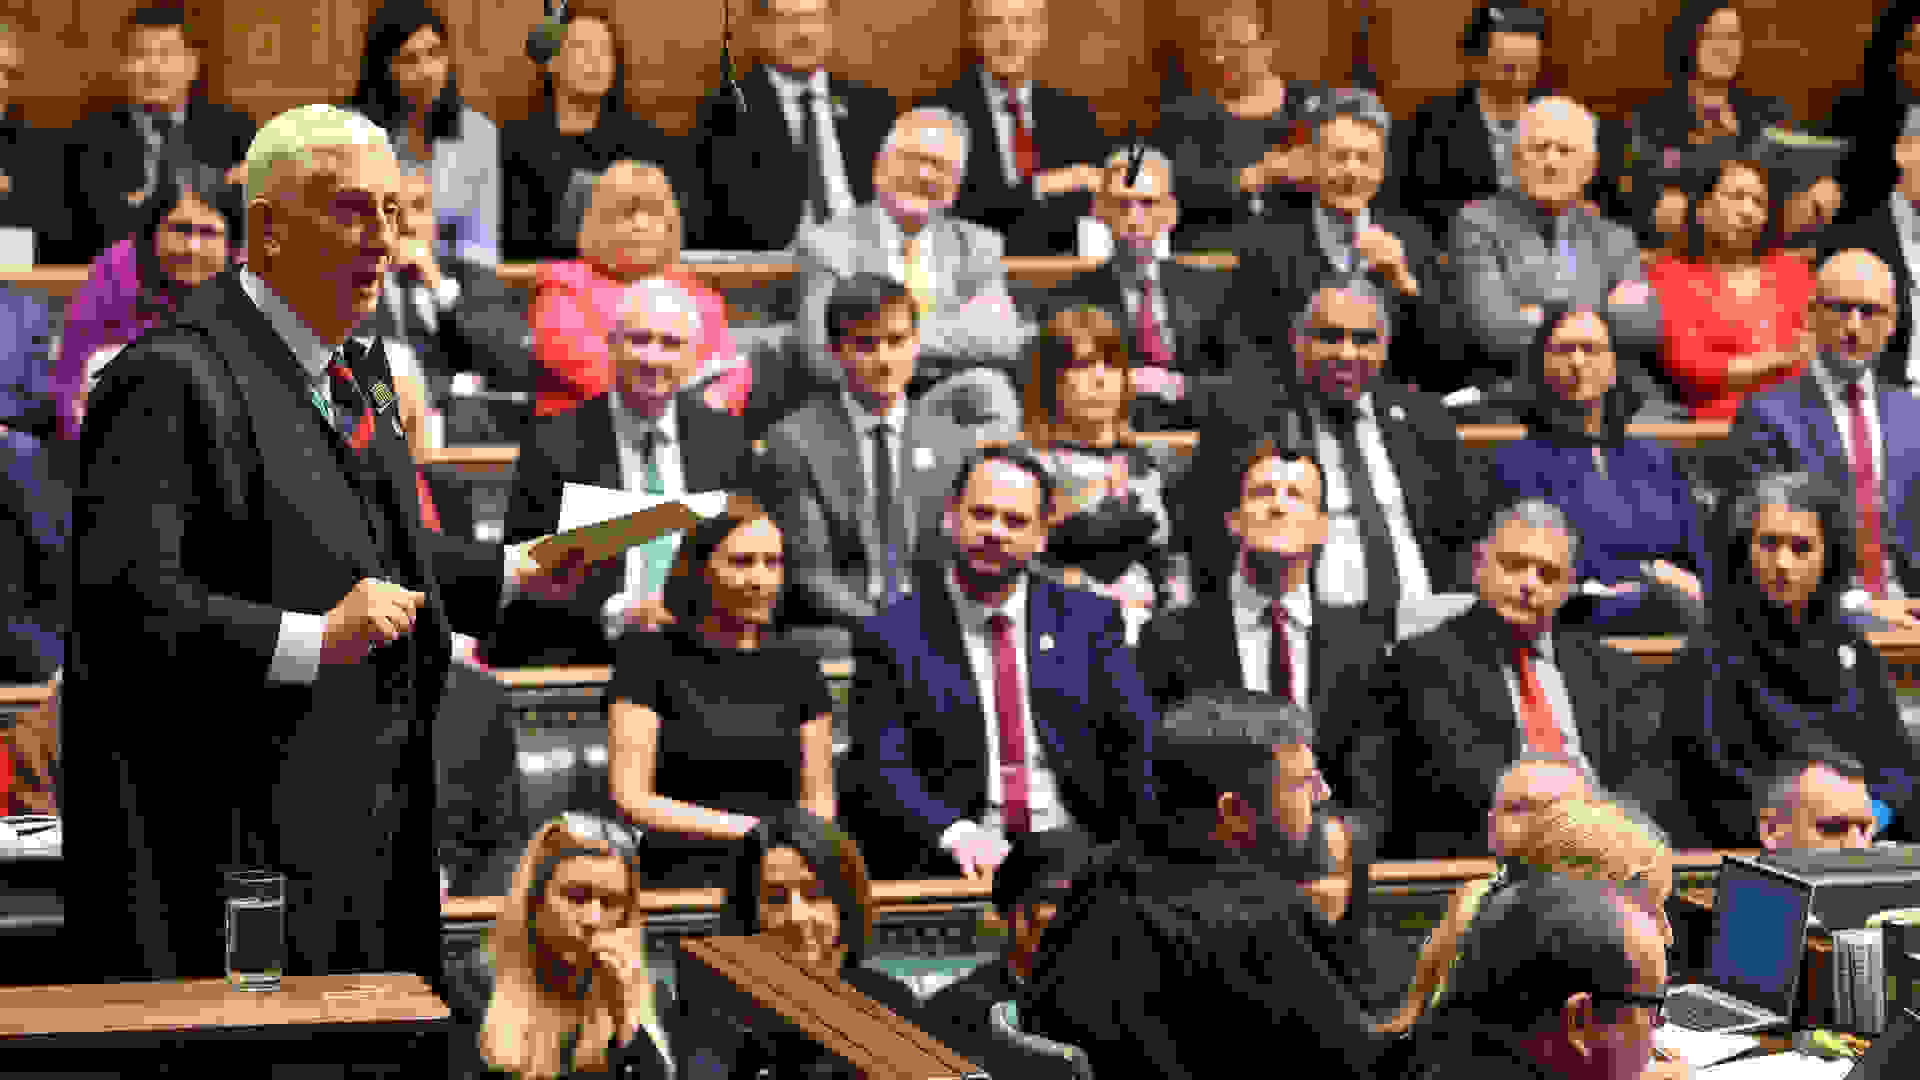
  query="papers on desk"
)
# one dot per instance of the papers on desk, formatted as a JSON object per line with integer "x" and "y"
{"x": 1791, "y": 1065}
{"x": 604, "y": 522}
{"x": 1702, "y": 1048}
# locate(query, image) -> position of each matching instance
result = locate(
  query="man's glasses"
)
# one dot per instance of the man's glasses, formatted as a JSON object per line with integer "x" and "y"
{"x": 1656, "y": 1002}
{"x": 1582, "y": 348}
{"x": 1336, "y": 335}
{"x": 640, "y": 339}
{"x": 1841, "y": 826}
{"x": 1844, "y": 308}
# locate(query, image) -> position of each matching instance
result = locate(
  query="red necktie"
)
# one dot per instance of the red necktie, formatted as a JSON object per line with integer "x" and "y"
{"x": 1023, "y": 154}
{"x": 1153, "y": 345}
{"x": 1536, "y": 716}
{"x": 1280, "y": 662}
{"x": 350, "y": 405}
{"x": 1866, "y": 493}
{"x": 1013, "y": 734}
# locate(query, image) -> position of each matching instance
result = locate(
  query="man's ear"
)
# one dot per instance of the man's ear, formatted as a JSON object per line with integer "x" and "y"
{"x": 1236, "y": 819}
{"x": 1579, "y": 1025}
{"x": 1771, "y": 828}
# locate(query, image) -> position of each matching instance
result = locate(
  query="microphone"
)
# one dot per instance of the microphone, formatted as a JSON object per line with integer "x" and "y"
{"x": 1136, "y": 152}
{"x": 543, "y": 41}
{"x": 726, "y": 56}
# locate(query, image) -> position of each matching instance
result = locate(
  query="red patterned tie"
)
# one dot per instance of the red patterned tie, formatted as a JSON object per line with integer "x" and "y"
{"x": 1023, "y": 153}
{"x": 349, "y": 404}
{"x": 1866, "y": 493}
{"x": 1013, "y": 734}
{"x": 1280, "y": 660}
{"x": 1536, "y": 715}
{"x": 1153, "y": 344}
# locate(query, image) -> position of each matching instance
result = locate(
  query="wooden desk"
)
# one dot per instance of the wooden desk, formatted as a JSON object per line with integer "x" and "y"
{"x": 328, "y": 1019}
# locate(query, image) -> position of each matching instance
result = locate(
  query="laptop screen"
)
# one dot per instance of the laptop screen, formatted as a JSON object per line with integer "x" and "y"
{"x": 1763, "y": 929}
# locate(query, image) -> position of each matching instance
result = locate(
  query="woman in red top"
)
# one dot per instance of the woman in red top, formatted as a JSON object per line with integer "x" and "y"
{"x": 631, "y": 230}
{"x": 1734, "y": 305}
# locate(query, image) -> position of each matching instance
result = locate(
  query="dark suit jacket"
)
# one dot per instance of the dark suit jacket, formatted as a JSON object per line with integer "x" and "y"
{"x": 1443, "y": 160}
{"x": 1446, "y": 726}
{"x": 578, "y": 447}
{"x": 189, "y": 547}
{"x": 35, "y": 198}
{"x": 1637, "y": 144}
{"x": 485, "y": 332}
{"x": 1875, "y": 231}
{"x": 537, "y": 162}
{"x": 1065, "y": 132}
{"x": 755, "y": 171}
{"x": 920, "y": 730}
{"x": 107, "y": 159}
{"x": 1790, "y": 427}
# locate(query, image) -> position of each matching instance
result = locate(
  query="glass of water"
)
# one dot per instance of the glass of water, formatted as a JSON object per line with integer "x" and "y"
{"x": 256, "y": 928}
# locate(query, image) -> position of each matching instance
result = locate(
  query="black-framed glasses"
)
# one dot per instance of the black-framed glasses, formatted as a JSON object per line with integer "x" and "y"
{"x": 1584, "y": 348}
{"x": 1656, "y": 1002}
{"x": 1336, "y": 335}
{"x": 1844, "y": 308}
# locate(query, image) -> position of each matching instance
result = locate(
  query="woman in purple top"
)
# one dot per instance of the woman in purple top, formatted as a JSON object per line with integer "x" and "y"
{"x": 190, "y": 232}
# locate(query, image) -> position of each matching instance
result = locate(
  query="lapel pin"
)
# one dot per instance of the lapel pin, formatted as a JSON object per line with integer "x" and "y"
{"x": 923, "y": 457}
{"x": 1046, "y": 642}
{"x": 1846, "y": 657}
{"x": 1397, "y": 413}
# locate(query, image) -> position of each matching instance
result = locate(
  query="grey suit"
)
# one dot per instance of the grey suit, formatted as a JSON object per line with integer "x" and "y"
{"x": 1503, "y": 264}
{"x": 815, "y": 487}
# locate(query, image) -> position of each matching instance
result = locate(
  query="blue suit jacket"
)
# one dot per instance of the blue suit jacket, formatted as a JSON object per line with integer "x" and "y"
{"x": 920, "y": 730}
{"x": 1791, "y": 427}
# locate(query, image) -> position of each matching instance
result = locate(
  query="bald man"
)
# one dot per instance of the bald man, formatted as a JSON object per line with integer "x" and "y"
{"x": 648, "y": 433}
{"x": 1540, "y": 242}
{"x": 1828, "y": 420}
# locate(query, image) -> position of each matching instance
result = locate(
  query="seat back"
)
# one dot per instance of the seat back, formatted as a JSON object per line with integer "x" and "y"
{"x": 1045, "y": 1059}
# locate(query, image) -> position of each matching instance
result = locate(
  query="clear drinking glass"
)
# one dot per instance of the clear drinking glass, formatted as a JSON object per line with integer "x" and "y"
{"x": 256, "y": 928}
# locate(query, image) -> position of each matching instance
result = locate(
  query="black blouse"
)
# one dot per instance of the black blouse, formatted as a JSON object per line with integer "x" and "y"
{"x": 538, "y": 163}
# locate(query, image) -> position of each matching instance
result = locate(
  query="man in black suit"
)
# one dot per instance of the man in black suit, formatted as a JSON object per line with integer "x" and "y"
{"x": 1457, "y": 704}
{"x": 1264, "y": 630}
{"x": 114, "y": 155}
{"x": 803, "y": 149}
{"x": 247, "y": 521}
{"x": 31, "y": 198}
{"x": 1172, "y": 313}
{"x": 1341, "y": 234}
{"x": 650, "y": 434}
{"x": 1029, "y": 181}
{"x": 1400, "y": 536}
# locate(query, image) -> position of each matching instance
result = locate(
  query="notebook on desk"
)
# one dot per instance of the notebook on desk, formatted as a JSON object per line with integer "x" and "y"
{"x": 1753, "y": 972}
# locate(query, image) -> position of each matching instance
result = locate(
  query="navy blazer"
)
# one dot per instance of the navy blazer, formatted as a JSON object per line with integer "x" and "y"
{"x": 1443, "y": 160}
{"x": 1791, "y": 427}
{"x": 1641, "y": 509}
{"x": 920, "y": 730}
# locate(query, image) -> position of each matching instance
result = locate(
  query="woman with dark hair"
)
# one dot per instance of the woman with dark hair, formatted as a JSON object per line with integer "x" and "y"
{"x": 407, "y": 86}
{"x": 799, "y": 880}
{"x": 580, "y": 125}
{"x": 712, "y": 725}
{"x": 1641, "y": 555}
{"x": 1733, "y": 305}
{"x": 1873, "y": 113}
{"x": 1457, "y": 147}
{"x": 190, "y": 230}
{"x": 1112, "y": 529}
{"x": 1780, "y": 670}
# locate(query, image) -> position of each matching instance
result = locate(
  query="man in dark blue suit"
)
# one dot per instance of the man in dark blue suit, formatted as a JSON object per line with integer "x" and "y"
{"x": 989, "y": 702}
{"x": 1815, "y": 424}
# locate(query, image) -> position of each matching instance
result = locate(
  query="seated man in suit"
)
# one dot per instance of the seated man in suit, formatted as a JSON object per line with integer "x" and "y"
{"x": 1342, "y": 234}
{"x": 799, "y": 153}
{"x": 1538, "y": 243}
{"x": 1583, "y": 1010}
{"x": 115, "y": 154}
{"x": 992, "y": 702}
{"x": 1030, "y": 167}
{"x": 1456, "y": 704}
{"x": 855, "y": 481}
{"x": 1819, "y": 422}
{"x": 32, "y": 201}
{"x": 1165, "y": 950}
{"x": 1227, "y": 638}
{"x": 970, "y": 336}
{"x": 1404, "y": 507}
{"x": 1174, "y": 312}
{"x": 1817, "y": 800}
{"x": 649, "y": 434}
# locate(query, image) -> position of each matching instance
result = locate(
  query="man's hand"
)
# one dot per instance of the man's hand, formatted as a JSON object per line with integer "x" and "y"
{"x": 1902, "y": 614}
{"x": 1670, "y": 213}
{"x": 1820, "y": 202}
{"x": 415, "y": 261}
{"x": 1629, "y": 294}
{"x": 648, "y": 613}
{"x": 375, "y": 613}
{"x": 237, "y": 174}
{"x": 979, "y": 854}
{"x": 1062, "y": 180}
{"x": 1670, "y": 575}
{"x": 553, "y": 583}
{"x": 1533, "y": 313}
{"x": 1156, "y": 381}
{"x": 1384, "y": 252}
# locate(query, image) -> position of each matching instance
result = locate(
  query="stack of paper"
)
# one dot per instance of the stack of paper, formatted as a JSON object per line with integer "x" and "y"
{"x": 1791, "y": 1065}
{"x": 1859, "y": 983}
{"x": 603, "y": 522}
{"x": 1702, "y": 1048}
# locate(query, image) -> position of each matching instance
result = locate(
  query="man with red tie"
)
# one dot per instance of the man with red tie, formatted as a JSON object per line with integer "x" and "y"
{"x": 990, "y": 702}
{"x": 1457, "y": 704}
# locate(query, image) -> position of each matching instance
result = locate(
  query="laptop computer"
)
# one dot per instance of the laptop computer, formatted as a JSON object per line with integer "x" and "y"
{"x": 1752, "y": 980}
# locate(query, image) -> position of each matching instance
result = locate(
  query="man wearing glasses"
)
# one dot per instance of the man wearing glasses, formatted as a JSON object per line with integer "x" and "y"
{"x": 1585, "y": 1009}
{"x": 1842, "y": 421}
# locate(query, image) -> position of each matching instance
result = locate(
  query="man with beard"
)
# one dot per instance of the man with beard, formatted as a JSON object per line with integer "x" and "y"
{"x": 1165, "y": 951}
{"x": 990, "y": 702}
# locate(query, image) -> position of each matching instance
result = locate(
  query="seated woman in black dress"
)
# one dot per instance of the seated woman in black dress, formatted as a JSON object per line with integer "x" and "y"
{"x": 1779, "y": 670}
{"x": 711, "y": 725}
{"x": 572, "y": 990}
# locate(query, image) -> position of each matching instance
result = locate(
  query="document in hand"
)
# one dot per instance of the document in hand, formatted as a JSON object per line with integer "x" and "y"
{"x": 604, "y": 522}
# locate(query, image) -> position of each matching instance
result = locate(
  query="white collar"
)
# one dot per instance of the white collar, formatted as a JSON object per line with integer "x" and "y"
{"x": 996, "y": 93}
{"x": 1835, "y": 389}
{"x": 634, "y": 424}
{"x": 314, "y": 354}
{"x": 864, "y": 421}
{"x": 1542, "y": 646}
{"x": 1250, "y": 605}
{"x": 1362, "y": 408}
{"x": 791, "y": 87}
{"x": 975, "y": 614}
{"x": 1327, "y": 216}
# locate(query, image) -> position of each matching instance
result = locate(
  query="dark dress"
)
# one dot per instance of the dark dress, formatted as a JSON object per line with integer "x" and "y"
{"x": 636, "y": 1060}
{"x": 1209, "y": 145}
{"x": 957, "y": 1016}
{"x": 729, "y": 735}
{"x": 539, "y": 163}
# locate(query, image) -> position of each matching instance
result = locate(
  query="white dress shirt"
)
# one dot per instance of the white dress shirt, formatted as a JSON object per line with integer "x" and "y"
{"x": 1343, "y": 563}
{"x": 1003, "y": 121}
{"x": 839, "y": 193}
{"x": 1253, "y": 630}
{"x": 296, "y": 654}
{"x": 1349, "y": 260}
{"x": 863, "y": 424}
{"x": 1836, "y": 395}
{"x": 1555, "y": 690}
{"x": 629, "y": 430}
{"x": 1906, "y": 226}
{"x": 1043, "y": 802}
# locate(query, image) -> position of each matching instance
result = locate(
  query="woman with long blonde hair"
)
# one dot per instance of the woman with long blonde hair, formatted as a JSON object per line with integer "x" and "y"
{"x": 572, "y": 993}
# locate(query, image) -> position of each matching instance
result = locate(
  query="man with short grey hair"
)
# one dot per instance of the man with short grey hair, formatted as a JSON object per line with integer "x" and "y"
{"x": 1461, "y": 701}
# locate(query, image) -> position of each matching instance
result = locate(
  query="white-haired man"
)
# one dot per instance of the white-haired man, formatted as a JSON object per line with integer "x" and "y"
{"x": 968, "y": 326}
{"x": 252, "y": 531}
{"x": 648, "y": 433}
{"x": 1539, "y": 242}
